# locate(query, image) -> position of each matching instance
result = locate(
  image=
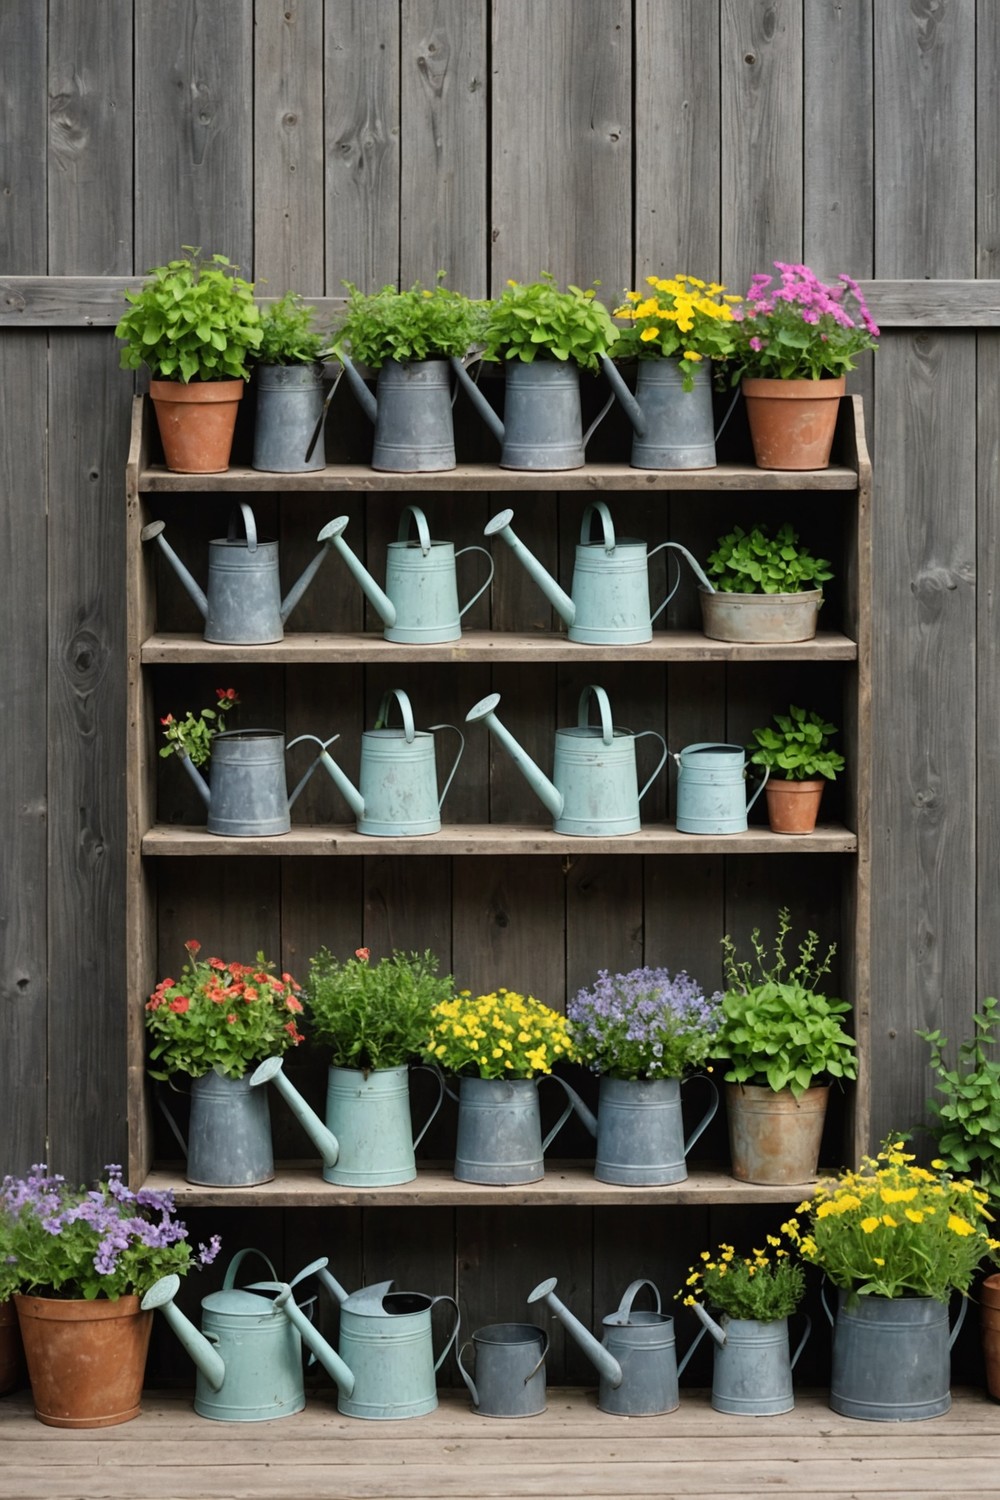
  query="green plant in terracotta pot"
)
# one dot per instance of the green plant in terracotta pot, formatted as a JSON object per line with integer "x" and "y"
{"x": 796, "y": 749}
{"x": 195, "y": 325}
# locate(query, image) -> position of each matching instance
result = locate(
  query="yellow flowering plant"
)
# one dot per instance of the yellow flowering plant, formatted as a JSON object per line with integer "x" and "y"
{"x": 896, "y": 1229}
{"x": 680, "y": 316}
{"x": 768, "y": 1283}
{"x": 500, "y": 1035}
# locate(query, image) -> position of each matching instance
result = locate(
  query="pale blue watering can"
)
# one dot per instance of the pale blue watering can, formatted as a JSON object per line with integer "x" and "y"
{"x": 712, "y": 788}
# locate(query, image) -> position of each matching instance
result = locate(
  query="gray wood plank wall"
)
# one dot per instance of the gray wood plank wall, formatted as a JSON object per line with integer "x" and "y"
{"x": 318, "y": 140}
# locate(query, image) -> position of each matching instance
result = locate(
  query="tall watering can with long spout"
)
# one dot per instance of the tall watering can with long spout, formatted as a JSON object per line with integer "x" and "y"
{"x": 672, "y": 427}
{"x": 243, "y": 604}
{"x": 411, "y": 413}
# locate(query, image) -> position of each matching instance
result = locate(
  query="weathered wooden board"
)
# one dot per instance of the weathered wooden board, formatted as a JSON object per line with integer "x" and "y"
{"x": 23, "y": 137}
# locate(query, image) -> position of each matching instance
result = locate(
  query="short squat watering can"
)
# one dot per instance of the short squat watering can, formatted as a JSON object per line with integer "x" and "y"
{"x": 228, "y": 1140}
{"x": 509, "y": 1370}
{"x": 248, "y": 796}
{"x": 248, "y": 1351}
{"x": 609, "y": 600}
{"x": 752, "y": 1370}
{"x": 411, "y": 413}
{"x": 639, "y": 1129}
{"x": 636, "y": 1358}
{"x": 542, "y": 422}
{"x": 672, "y": 428}
{"x": 594, "y": 788}
{"x": 397, "y": 794}
{"x": 243, "y": 605}
{"x": 712, "y": 789}
{"x": 420, "y": 599}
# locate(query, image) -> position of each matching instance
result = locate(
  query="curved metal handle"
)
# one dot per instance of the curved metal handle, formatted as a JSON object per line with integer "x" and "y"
{"x": 729, "y": 411}
{"x": 670, "y": 591}
{"x": 405, "y": 711}
{"x": 583, "y": 711}
{"x": 324, "y": 745}
{"x": 489, "y": 577}
{"x": 454, "y": 1332}
{"x": 541, "y": 1359}
{"x": 709, "y": 1116}
{"x": 959, "y": 1320}
{"x": 802, "y": 1340}
{"x": 753, "y": 799}
{"x": 607, "y": 525}
{"x": 249, "y": 525}
{"x": 423, "y": 531}
{"x": 826, "y": 1305}
{"x": 426, "y": 1068}
{"x": 692, "y": 1347}
{"x": 632, "y": 1291}
{"x": 458, "y": 757}
{"x": 237, "y": 1260}
{"x": 171, "y": 1121}
{"x": 660, "y": 764}
{"x": 565, "y": 1114}
{"x": 465, "y": 1374}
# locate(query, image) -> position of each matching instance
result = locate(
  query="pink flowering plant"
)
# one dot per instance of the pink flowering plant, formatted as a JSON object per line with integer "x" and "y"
{"x": 643, "y": 1024}
{"x": 801, "y": 328}
{"x": 106, "y": 1241}
{"x": 222, "y": 1016}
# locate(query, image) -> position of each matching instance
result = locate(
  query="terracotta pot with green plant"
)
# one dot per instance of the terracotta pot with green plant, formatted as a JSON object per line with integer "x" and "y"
{"x": 796, "y": 750}
{"x": 767, "y": 586}
{"x": 195, "y": 325}
{"x": 288, "y": 385}
{"x": 784, "y": 1043}
{"x": 795, "y": 344}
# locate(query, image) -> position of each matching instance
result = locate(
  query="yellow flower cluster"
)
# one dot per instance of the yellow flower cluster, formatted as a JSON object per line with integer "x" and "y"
{"x": 682, "y": 316}
{"x": 895, "y": 1228}
{"x": 764, "y": 1285}
{"x": 500, "y": 1035}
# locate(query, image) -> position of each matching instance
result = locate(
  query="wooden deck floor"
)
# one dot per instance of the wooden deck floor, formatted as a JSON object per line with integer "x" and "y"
{"x": 573, "y": 1450}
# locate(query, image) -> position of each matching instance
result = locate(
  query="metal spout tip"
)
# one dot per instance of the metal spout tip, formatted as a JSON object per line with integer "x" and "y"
{"x": 498, "y": 523}
{"x": 482, "y": 708}
{"x": 333, "y": 529}
{"x": 542, "y": 1290}
{"x": 152, "y": 530}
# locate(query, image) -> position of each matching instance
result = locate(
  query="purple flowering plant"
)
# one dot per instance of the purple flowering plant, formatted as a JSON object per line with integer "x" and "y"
{"x": 105, "y": 1241}
{"x": 802, "y": 328}
{"x": 644, "y": 1024}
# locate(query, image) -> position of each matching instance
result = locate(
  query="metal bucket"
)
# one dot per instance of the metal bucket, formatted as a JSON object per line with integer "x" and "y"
{"x": 680, "y": 424}
{"x": 499, "y": 1130}
{"x": 229, "y": 1133}
{"x": 289, "y": 407}
{"x": 645, "y": 1349}
{"x": 711, "y": 789}
{"x": 891, "y": 1357}
{"x": 640, "y": 1131}
{"x": 509, "y": 1370}
{"x": 752, "y": 1370}
{"x": 774, "y": 1138}
{"x": 249, "y": 791}
{"x": 370, "y": 1116}
{"x": 414, "y": 430}
{"x": 760, "y": 617}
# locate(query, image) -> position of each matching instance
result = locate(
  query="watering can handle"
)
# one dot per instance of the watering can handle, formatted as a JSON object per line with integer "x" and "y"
{"x": 661, "y": 762}
{"x": 670, "y": 591}
{"x": 692, "y": 1347}
{"x": 802, "y": 1340}
{"x": 171, "y": 1121}
{"x": 424, "y": 1068}
{"x": 458, "y": 757}
{"x": 464, "y": 1372}
{"x": 598, "y": 419}
{"x": 423, "y": 532}
{"x": 324, "y": 746}
{"x": 633, "y": 1290}
{"x": 565, "y": 1114}
{"x": 405, "y": 711}
{"x": 826, "y": 1305}
{"x": 583, "y": 712}
{"x": 708, "y": 1117}
{"x": 489, "y": 577}
{"x": 541, "y": 1360}
{"x": 454, "y": 1332}
{"x": 753, "y": 799}
{"x": 729, "y": 411}
{"x": 959, "y": 1320}
{"x": 235, "y": 1263}
{"x": 607, "y": 525}
{"x": 249, "y": 525}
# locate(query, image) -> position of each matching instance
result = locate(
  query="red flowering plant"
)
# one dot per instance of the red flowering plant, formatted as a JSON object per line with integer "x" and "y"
{"x": 193, "y": 735}
{"x": 222, "y": 1016}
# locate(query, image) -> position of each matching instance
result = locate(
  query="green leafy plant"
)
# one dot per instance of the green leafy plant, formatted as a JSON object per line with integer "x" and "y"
{"x": 765, "y": 1285}
{"x": 536, "y": 320}
{"x": 681, "y": 317}
{"x": 797, "y": 746}
{"x": 221, "y": 1016}
{"x": 755, "y": 562}
{"x": 499, "y": 1035}
{"x": 193, "y": 735}
{"x": 422, "y": 323}
{"x": 374, "y": 1015}
{"x": 801, "y": 329}
{"x": 288, "y": 336}
{"x": 778, "y": 1031}
{"x": 967, "y": 1120}
{"x": 194, "y": 319}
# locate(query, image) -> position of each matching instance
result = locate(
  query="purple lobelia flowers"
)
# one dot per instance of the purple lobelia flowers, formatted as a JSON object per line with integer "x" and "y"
{"x": 104, "y": 1241}
{"x": 644, "y": 1024}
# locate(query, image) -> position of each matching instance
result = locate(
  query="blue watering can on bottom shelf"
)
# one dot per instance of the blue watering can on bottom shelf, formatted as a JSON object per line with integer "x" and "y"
{"x": 712, "y": 788}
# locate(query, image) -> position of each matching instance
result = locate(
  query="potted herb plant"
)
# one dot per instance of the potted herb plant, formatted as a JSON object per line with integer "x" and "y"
{"x": 195, "y": 325}
{"x": 675, "y": 331}
{"x": 753, "y": 1296}
{"x": 896, "y": 1239}
{"x": 795, "y": 344}
{"x": 766, "y": 586}
{"x": 500, "y": 1046}
{"x": 77, "y": 1261}
{"x": 288, "y": 382}
{"x": 544, "y": 337}
{"x": 643, "y": 1033}
{"x": 784, "y": 1042}
{"x": 797, "y": 752}
{"x": 408, "y": 337}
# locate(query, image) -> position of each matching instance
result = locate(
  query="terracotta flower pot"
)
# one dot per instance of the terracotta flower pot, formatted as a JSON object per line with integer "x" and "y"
{"x": 989, "y": 1316}
{"x": 792, "y": 422}
{"x": 196, "y": 423}
{"x": 775, "y": 1138}
{"x": 793, "y": 806}
{"x": 86, "y": 1360}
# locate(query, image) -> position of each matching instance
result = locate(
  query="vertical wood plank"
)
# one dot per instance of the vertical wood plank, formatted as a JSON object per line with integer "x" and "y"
{"x": 23, "y": 163}
{"x": 838, "y": 193}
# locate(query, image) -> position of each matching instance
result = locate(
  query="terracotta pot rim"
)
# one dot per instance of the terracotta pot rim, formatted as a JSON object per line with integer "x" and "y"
{"x": 826, "y": 388}
{"x": 75, "y": 1309}
{"x": 196, "y": 392}
{"x": 802, "y": 784}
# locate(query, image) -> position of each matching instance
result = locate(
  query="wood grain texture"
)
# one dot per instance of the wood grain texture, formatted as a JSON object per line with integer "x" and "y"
{"x": 838, "y": 89}
{"x": 23, "y": 136}
{"x": 987, "y": 690}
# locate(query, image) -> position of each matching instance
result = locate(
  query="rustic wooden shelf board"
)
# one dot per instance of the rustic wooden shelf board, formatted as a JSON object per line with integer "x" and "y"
{"x": 477, "y": 646}
{"x": 491, "y": 839}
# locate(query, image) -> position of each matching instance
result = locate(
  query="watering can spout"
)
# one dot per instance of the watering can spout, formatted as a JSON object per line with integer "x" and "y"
{"x": 540, "y": 784}
{"x": 211, "y": 1364}
{"x": 326, "y": 1143}
{"x": 477, "y": 398}
{"x": 583, "y": 1113}
{"x": 200, "y": 784}
{"x": 606, "y": 1365}
{"x": 377, "y": 598}
{"x": 364, "y": 396}
{"x": 154, "y": 532}
{"x": 708, "y": 1323}
{"x": 331, "y": 1361}
{"x": 557, "y": 597}
{"x": 626, "y": 399}
{"x": 298, "y": 589}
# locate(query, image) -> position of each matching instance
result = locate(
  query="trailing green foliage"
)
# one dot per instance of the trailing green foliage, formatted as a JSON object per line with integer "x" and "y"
{"x": 374, "y": 1015}
{"x": 287, "y": 333}
{"x": 421, "y": 323}
{"x": 193, "y": 735}
{"x": 797, "y": 746}
{"x": 754, "y": 562}
{"x": 194, "y": 319}
{"x": 967, "y": 1122}
{"x": 538, "y": 321}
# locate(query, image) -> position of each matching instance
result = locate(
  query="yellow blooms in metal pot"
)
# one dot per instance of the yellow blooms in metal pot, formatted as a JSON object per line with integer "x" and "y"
{"x": 683, "y": 317}
{"x": 499, "y": 1035}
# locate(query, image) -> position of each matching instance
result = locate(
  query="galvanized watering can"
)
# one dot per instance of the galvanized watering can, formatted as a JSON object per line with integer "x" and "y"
{"x": 640, "y": 1131}
{"x": 248, "y": 1352}
{"x": 499, "y": 1138}
{"x": 636, "y": 1358}
{"x": 594, "y": 788}
{"x": 243, "y": 605}
{"x": 414, "y": 431}
{"x": 397, "y": 795}
{"x": 711, "y": 789}
{"x": 891, "y": 1357}
{"x": 752, "y": 1371}
{"x": 672, "y": 428}
{"x": 609, "y": 604}
{"x": 288, "y": 413}
{"x": 367, "y": 1122}
{"x": 248, "y": 796}
{"x": 542, "y": 422}
{"x": 509, "y": 1370}
{"x": 420, "y": 601}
